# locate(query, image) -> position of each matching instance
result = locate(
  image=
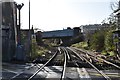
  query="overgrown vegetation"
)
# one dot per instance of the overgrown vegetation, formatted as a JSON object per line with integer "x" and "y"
{"x": 97, "y": 41}
{"x": 102, "y": 40}
{"x": 109, "y": 41}
{"x": 83, "y": 45}
{"x": 38, "y": 50}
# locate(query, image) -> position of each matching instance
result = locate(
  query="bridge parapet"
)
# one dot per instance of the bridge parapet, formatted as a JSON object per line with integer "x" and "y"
{"x": 67, "y": 36}
{"x": 58, "y": 33}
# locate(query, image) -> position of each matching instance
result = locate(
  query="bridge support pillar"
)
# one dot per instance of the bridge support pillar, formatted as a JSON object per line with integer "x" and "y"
{"x": 66, "y": 41}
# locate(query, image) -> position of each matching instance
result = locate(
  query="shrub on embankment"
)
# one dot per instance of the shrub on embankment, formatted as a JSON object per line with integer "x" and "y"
{"x": 101, "y": 41}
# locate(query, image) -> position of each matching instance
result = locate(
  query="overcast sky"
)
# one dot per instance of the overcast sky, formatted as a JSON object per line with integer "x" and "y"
{"x": 58, "y": 14}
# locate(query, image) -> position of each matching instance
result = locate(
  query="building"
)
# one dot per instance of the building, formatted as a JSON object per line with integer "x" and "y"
{"x": 92, "y": 28}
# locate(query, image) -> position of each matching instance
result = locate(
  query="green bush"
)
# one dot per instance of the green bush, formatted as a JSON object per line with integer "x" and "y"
{"x": 81, "y": 45}
{"x": 97, "y": 41}
{"x": 109, "y": 45}
{"x": 37, "y": 50}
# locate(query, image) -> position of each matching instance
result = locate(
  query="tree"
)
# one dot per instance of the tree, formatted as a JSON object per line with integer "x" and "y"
{"x": 114, "y": 5}
{"x": 97, "y": 41}
{"x": 109, "y": 45}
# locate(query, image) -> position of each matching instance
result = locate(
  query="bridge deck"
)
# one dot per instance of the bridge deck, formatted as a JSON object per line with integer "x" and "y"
{"x": 58, "y": 33}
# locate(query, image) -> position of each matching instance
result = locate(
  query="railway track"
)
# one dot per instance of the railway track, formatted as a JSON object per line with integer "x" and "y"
{"x": 93, "y": 66}
{"x": 65, "y": 63}
{"x": 39, "y": 68}
{"x": 90, "y": 58}
{"x": 65, "y": 71}
{"x": 97, "y": 58}
{"x": 82, "y": 58}
{"x": 32, "y": 77}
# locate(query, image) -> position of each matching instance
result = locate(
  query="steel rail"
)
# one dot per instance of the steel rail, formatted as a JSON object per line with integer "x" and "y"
{"x": 97, "y": 57}
{"x": 67, "y": 53}
{"x": 31, "y": 77}
{"x": 76, "y": 53}
{"x": 109, "y": 63}
{"x": 104, "y": 75}
{"x": 65, "y": 63}
{"x": 74, "y": 57}
{"x": 37, "y": 65}
{"x": 103, "y": 60}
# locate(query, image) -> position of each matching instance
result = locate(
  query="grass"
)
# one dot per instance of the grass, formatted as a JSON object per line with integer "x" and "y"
{"x": 109, "y": 53}
{"x": 112, "y": 53}
{"x": 37, "y": 50}
{"x": 80, "y": 45}
{"x": 84, "y": 45}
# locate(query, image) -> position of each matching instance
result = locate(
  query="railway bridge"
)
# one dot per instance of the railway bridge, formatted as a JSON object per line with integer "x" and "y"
{"x": 65, "y": 36}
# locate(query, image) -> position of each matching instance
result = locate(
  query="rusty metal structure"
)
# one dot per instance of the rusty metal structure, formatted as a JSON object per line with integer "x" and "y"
{"x": 9, "y": 30}
{"x": 12, "y": 48}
